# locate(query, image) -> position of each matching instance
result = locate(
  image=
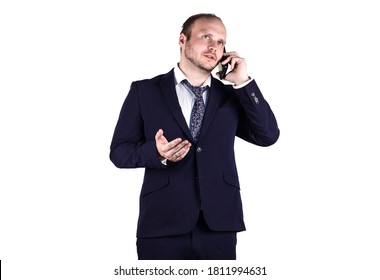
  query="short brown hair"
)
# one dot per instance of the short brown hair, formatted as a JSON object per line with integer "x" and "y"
{"x": 186, "y": 27}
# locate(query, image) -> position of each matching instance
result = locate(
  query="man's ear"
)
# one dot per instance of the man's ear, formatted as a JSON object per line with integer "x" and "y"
{"x": 182, "y": 39}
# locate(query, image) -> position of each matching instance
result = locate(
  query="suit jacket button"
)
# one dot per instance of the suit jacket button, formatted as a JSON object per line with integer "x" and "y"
{"x": 199, "y": 149}
{"x": 255, "y": 98}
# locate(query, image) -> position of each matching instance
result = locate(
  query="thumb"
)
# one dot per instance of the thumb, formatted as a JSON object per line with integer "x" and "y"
{"x": 160, "y": 135}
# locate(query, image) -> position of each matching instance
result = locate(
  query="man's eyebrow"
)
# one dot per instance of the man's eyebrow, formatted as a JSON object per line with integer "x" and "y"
{"x": 207, "y": 32}
{"x": 222, "y": 41}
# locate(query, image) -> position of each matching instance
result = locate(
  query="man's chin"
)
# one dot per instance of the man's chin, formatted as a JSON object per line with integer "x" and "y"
{"x": 209, "y": 68}
{"x": 206, "y": 67}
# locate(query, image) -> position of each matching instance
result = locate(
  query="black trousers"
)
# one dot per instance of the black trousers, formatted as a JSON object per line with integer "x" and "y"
{"x": 199, "y": 244}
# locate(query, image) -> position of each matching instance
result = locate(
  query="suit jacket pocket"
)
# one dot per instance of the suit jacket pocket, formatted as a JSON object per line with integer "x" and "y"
{"x": 154, "y": 184}
{"x": 231, "y": 180}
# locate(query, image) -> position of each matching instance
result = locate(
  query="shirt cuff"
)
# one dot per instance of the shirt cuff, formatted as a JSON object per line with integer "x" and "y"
{"x": 243, "y": 84}
{"x": 163, "y": 160}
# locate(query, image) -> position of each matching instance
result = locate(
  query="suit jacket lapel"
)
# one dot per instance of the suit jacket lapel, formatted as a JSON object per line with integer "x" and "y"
{"x": 168, "y": 91}
{"x": 213, "y": 102}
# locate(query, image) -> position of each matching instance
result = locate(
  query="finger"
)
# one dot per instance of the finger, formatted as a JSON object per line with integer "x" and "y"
{"x": 160, "y": 142}
{"x": 174, "y": 158}
{"x": 184, "y": 151}
{"x": 167, "y": 149}
{"x": 159, "y": 133}
{"x": 181, "y": 153}
{"x": 234, "y": 61}
{"x": 229, "y": 56}
{"x": 172, "y": 145}
{"x": 177, "y": 149}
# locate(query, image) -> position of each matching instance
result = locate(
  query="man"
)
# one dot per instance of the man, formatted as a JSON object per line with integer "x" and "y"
{"x": 190, "y": 205}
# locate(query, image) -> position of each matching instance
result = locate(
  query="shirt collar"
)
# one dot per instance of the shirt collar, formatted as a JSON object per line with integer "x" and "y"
{"x": 179, "y": 76}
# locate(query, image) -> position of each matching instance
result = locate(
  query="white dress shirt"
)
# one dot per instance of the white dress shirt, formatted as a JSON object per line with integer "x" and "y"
{"x": 186, "y": 98}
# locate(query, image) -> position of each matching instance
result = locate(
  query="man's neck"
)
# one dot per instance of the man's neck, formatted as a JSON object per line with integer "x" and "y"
{"x": 193, "y": 74}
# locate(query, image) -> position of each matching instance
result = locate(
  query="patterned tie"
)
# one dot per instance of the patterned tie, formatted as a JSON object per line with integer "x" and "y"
{"x": 198, "y": 109}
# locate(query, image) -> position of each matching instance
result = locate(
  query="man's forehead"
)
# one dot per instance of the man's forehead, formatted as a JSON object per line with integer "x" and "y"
{"x": 214, "y": 27}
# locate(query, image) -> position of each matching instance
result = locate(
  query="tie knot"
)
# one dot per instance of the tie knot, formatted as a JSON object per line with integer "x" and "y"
{"x": 196, "y": 90}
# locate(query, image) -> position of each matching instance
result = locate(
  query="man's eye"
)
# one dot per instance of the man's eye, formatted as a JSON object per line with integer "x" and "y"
{"x": 221, "y": 43}
{"x": 207, "y": 37}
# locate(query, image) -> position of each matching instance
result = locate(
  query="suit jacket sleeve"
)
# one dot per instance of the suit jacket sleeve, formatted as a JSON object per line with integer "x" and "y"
{"x": 129, "y": 148}
{"x": 258, "y": 124}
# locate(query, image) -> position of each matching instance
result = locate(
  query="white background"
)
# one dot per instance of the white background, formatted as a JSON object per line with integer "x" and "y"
{"x": 311, "y": 201}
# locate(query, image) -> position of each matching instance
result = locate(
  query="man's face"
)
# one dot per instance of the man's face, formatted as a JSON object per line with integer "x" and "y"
{"x": 206, "y": 44}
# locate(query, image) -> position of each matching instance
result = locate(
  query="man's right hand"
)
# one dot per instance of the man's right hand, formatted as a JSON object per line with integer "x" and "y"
{"x": 174, "y": 150}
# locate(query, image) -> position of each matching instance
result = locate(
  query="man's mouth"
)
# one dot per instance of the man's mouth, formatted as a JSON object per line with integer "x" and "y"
{"x": 210, "y": 56}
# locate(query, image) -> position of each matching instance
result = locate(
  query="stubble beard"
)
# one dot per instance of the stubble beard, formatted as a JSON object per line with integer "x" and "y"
{"x": 190, "y": 55}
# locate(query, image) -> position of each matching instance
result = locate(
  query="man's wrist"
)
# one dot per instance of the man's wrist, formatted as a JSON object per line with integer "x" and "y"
{"x": 243, "y": 83}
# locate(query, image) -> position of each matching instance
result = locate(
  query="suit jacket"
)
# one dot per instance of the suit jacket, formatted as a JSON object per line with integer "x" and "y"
{"x": 206, "y": 180}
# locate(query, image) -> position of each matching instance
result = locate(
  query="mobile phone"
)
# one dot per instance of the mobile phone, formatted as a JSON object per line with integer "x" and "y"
{"x": 223, "y": 68}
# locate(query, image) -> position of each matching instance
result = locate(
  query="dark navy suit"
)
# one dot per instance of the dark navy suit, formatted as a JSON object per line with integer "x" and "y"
{"x": 206, "y": 180}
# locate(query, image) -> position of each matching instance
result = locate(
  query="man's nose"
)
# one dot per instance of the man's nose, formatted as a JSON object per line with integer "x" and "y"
{"x": 212, "y": 46}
